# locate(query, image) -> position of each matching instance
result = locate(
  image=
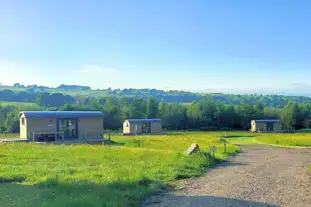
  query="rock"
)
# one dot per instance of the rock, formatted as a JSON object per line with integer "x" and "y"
{"x": 192, "y": 149}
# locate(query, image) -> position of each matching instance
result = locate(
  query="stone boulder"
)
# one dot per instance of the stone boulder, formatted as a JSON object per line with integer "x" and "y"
{"x": 192, "y": 149}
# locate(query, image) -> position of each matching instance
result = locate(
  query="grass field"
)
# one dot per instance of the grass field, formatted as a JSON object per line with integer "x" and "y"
{"x": 95, "y": 175}
{"x": 18, "y": 104}
{"x": 98, "y": 93}
{"x": 9, "y": 135}
{"x": 291, "y": 139}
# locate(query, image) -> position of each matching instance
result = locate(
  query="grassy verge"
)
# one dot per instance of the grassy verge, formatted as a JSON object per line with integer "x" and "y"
{"x": 274, "y": 139}
{"x": 295, "y": 139}
{"x": 9, "y": 135}
{"x": 92, "y": 175}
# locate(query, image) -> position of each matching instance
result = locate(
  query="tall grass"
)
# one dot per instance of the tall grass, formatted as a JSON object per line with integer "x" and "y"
{"x": 95, "y": 175}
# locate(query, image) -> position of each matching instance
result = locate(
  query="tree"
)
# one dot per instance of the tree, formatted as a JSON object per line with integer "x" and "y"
{"x": 112, "y": 114}
{"x": 194, "y": 114}
{"x": 176, "y": 117}
{"x": 44, "y": 99}
{"x": 2, "y": 129}
{"x": 68, "y": 107}
{"x": 17, "y": 85}
{"x": 152, "y": 108}
{"x": 11, "y": 122}
{"x": 289, "y": 115}
{"x": 246, "y": 113}
{"x": 259, "y": 108}
{"x": 271, "y": 113}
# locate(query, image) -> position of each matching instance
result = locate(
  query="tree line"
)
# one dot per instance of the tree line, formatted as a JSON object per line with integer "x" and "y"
{"x": 198, "y": 115}
{"x": 82, "y": 94}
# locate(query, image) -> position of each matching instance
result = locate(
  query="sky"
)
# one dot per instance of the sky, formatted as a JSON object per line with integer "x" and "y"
{"x": 201, "y": 45}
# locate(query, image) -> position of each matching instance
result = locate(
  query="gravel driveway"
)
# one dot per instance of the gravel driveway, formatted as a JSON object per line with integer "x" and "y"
{"x": 258, "y": 176}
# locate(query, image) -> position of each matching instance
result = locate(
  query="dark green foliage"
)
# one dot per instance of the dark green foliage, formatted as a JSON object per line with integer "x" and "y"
{"x": 152, "y": 108}
{"x": 202, "y": 115}
{"x": 289, "y": 115}
{"x": 73, "y": 87}
{"x": 21, "y": 93}
{"x": 53, "y": 100}
{"x": 177, "y": 109}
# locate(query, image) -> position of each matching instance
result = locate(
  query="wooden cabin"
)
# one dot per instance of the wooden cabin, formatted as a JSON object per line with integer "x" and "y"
{"x": 61, "y": 125}
{"x": 142, "y": 126}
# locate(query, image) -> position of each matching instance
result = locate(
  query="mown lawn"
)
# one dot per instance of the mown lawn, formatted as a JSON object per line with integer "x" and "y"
{"x": 279, "y": 139}
{"x": 9, "y": 135}
{"x": 295, "y": 139}
{"x": 96, "y": 175}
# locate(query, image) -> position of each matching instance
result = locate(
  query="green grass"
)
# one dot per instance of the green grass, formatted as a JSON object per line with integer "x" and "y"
{"x": 295, "y": 139}
{"x": 98, "y": 93}
{"x": 9, "y": 135}
{"x": 278, "y": 139}
{"x": 95, "y": 175}
{"x": 22, "y": 104}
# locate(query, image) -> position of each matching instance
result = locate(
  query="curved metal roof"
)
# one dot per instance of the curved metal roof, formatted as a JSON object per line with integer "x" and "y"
{"x": 61, "y": 114}
{"x": 268, "y": 121}
{"x": 143, "y": 120}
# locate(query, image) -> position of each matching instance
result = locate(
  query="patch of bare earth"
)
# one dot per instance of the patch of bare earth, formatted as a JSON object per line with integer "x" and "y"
{"x": 258, "y": 176}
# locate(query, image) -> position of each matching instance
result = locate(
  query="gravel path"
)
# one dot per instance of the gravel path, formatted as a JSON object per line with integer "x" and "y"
{"x": 259, "y": 176}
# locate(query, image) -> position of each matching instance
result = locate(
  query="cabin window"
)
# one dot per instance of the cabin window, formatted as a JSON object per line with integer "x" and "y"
{"x": 127, "y": 124}
{"x": 23, "y": 121}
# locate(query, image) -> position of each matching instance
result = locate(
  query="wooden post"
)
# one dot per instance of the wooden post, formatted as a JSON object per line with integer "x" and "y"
{"x": 33, "y": 136}
{"x": 225, "y": 146}
{"x": 213, "y": 149}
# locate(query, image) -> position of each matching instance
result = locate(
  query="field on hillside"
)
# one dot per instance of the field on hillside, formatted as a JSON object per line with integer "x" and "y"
{"x": 98, "y": 93}
{"x": 17, "y": 104}
{"x": 96, "y": 175}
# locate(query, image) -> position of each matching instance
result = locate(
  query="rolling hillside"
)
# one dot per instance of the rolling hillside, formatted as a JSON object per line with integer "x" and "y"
{"x": 20, "y": 93}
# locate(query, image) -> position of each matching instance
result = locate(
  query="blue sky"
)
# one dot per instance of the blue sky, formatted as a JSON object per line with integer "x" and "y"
{"x": 222, "y": 46}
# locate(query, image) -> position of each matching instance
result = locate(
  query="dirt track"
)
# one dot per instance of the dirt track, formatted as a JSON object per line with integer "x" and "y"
{"x": 258, "y": 176}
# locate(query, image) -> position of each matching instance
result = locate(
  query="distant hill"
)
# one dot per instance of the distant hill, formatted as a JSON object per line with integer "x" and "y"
{"x": 73, "y": 87}
{"x": 74, "y": 93}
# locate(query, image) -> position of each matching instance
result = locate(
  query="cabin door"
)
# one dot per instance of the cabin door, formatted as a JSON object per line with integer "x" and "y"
{"x": 67, "y": 128}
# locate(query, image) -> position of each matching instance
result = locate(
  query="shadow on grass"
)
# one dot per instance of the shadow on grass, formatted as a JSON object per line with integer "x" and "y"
{"x": 16, "y": 179}
{"x": 80, "y": 194}
{"x": 238, "y": 136}
{"x": 114, "y": 143}
{"x": 76, "y": 194}
{"x": 172, "y": 200}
